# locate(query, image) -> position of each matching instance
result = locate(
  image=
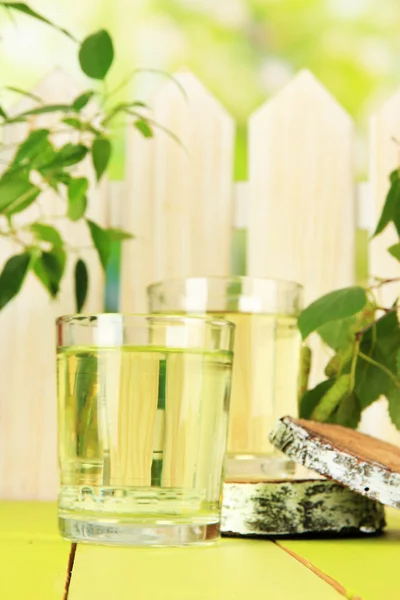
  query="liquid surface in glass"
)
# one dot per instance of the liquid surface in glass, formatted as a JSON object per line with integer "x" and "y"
{"x": 142, "y": 435}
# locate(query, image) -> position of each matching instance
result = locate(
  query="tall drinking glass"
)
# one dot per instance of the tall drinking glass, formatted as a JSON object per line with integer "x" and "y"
{"x": 143, "y": 404}
{"x": 266, "y": 366}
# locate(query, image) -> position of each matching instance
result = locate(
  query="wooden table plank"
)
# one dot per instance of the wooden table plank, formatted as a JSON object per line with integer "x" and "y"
{"x": 233, "y": 569}
{"x": 366, "y": 567}
{"x": 33, "y": 557}
{"x": 33, "y": 569}
{"x": 29, "y": 519}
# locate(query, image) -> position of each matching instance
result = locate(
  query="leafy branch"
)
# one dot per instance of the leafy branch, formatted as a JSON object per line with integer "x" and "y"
{"x": 364, "y": 337}
{"x": 38, "y": 163}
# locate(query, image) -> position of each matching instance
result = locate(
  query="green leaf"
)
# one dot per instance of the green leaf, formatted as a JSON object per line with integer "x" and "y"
{"x": 47, "y": 233}
{"x": 81, "y": 125}
{"x": 101, "y": 154}
{"x": 32, "y": 146}
{"x": 394, "y": 175}
{"x": 380, "y": 343}
{"x": 348, "y": 413}
{"x": 24, "y": 8}
{"x": 41, "y": 110}
{"x": 118, "y": 235}
{"x": 311, "y": 398}
{"x": 81, "y": 101}
{"x": 336, "y": 305}
{"x": 81, "y": 284}
{"x": 337, "y": 333}
{"x": 3, "y": 113}
{"x": 49, "y": 268}
{"x": 69, "y": 155}
{"x": 101, "y": 242}
{"x": 144, "y": 128}
{"x": 73, "y": 122}
{"x": 23, "y": 93}
{"x": 398, "y": 363}
{"x": 395, "y": 251}
{"x": 16, "y": 193}
{"x": 123, "y": 107}
{"x": 13, "y": 276}
{"x": 392, "y": 201}
{"x": 77, "y": 201}
{"x": 96, "y": 55}
{"x": 393, "y": 396}
{"x": 370, "y": 382}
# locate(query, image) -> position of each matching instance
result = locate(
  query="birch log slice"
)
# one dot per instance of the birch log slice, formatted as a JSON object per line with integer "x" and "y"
{"x": 358, "y": 461}
{"x": 298, "y": 507}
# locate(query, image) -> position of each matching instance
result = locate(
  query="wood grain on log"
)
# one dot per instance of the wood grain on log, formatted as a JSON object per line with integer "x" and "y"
{"x": 360, "y": 462}
{"x": 297, "y": 507}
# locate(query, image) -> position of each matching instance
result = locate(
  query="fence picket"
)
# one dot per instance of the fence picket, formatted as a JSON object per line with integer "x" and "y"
{"x": 180, "y": 200}
{"x": 28, "y": 422}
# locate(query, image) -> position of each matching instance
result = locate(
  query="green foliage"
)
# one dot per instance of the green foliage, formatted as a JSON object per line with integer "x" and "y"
{"x": 39, "y": 164}
{"x": 47, "y": 233}
{"x": 77, "y": 201}
{"x": 101, "y": 242}
{"x": 96, "y": 55}
{"x": 81, "y": 284}
{"x": 312, "y": 398}
{"x": 365, "y": 338}
{"x": 25, "y": 9}
{"x": 143, "y": 126}
{"x": 49, "y": 268}
{"x": 390, "y": 210}
{"x": 82, "y": 100}
{"x": 340, "y": 304}
{"x": 13, "y": 276}
{"x": 101, "y": 154}
{"x": 395, "y": 251}
{"x": 117, "y": 235}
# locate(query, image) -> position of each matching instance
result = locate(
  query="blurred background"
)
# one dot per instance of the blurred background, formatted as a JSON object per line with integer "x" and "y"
{"x": 242, "y": 50}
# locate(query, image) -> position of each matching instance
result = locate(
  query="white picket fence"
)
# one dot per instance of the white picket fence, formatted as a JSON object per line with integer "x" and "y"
{"x": 300, "y": 206}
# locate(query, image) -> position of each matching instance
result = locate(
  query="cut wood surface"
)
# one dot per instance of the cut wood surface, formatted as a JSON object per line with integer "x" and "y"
{"x": 179, "y": 202}
{"x": 277, "y": 508}
{"x": 362, "y": 463}
{"x": 28, "y": 403}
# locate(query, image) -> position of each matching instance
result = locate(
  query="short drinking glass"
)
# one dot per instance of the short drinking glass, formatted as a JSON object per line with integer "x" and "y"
{"x": 266, "y": 366}
{"x": 143, "y": 404}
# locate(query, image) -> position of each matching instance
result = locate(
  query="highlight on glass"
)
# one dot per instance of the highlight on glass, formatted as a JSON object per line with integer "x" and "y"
{"x": 267, "y": 357}
{"x": 143, "y": 414}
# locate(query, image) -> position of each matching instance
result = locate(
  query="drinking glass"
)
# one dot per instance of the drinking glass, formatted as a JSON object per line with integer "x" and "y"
{"x": 143, "y": 404}
{"x": 266, "y": 365}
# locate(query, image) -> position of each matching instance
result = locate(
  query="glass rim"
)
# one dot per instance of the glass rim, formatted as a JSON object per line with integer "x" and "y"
{"x": 162, "y": 318}
{"x": 294, "y": 285}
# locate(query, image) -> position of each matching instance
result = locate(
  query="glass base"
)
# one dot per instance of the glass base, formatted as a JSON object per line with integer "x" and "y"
{"x": 258, "y": 467}
{"x": 116, "y": 533}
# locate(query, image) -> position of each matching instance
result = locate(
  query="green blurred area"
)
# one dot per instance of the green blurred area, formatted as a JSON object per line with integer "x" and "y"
{"x": 244, "y": 51}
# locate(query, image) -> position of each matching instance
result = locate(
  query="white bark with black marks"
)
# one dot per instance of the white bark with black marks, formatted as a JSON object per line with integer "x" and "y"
{"x": 360, "y": 462}
{"x": 297, "y": 507}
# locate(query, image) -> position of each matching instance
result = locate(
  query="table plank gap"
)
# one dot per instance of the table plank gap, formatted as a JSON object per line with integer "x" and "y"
{"x": 327, "y": 578}
{"x": 70, "y": 568}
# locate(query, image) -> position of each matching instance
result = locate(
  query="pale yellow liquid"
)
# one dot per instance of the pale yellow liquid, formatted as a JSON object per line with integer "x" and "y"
{"x": 264, "y": 380}
{"x": 142, "y": 434}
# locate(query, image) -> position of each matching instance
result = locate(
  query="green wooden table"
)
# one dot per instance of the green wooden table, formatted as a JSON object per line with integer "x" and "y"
{"x": 34, "y": 562}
